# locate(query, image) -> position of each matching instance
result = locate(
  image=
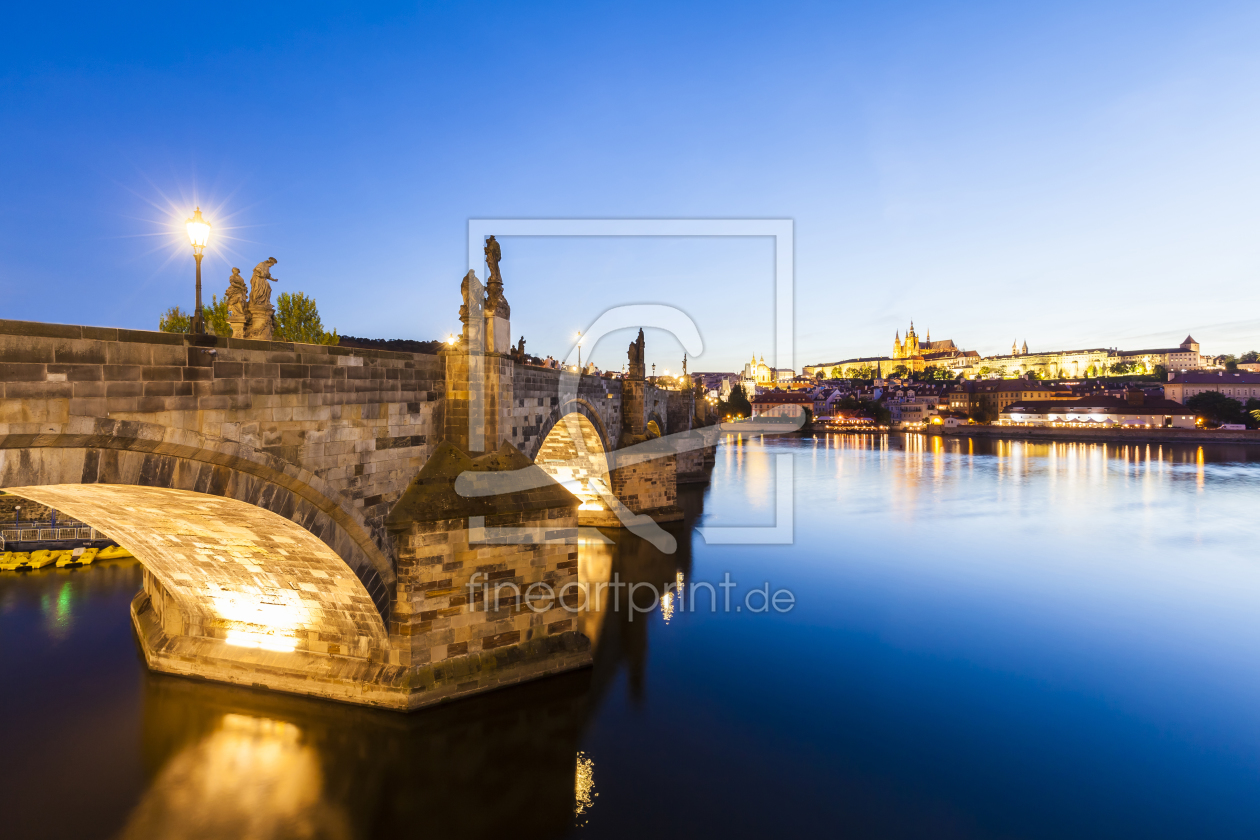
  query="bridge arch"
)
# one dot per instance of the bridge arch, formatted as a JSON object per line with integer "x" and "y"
{"x": 95, "y": 451}
{"x": 219, "y": 569}
{"x": 655, "y": 425}
{"x": 574, "y": 451}
{"x": 580, "y": 406}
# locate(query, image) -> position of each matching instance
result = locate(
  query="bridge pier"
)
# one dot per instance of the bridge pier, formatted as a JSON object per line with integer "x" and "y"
{"x": 489, "y": 590}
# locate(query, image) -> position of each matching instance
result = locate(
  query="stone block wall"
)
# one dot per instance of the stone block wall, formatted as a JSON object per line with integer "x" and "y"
{"x": 680, "y": 410}
{"x": 539, "y": 403}
{"x": 362, "y": 420}
{"x": 690, "y": 466}
{"x": 648, "y": 486}
{"x": 458, "y": 623}
{"x": 482, "y": 413}
{"x": 31, "y": 511}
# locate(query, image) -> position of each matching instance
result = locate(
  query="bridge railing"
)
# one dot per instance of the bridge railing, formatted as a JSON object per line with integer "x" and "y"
{"x": 48, "y": 531}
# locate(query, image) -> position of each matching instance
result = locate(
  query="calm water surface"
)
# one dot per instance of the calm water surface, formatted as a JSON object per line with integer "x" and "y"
{"x": 989, "y": 640}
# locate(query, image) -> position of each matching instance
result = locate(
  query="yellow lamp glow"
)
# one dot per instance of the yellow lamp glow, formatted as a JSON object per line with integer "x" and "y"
{"x": 450, "y": 338}
{"x": 198, "y": 231}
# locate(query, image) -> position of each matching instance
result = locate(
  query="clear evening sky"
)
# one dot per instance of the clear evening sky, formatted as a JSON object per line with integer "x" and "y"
{"x": 1070, "y": 174}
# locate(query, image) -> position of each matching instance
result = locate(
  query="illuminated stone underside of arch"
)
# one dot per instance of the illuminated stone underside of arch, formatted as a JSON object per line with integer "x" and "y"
{"x": 229, "y": 571}
{"x": 573, "y": 454}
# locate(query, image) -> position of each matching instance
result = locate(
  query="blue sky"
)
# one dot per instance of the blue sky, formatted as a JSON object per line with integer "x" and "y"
{"x": 1083, "y": 174}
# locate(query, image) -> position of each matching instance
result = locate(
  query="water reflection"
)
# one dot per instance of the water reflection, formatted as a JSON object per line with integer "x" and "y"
{"x": 985, "y": 630}
{"x": 231, "y": 763}
{"x": 219, "y": 761}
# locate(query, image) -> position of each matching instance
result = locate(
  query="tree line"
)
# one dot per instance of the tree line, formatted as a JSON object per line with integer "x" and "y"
{"x": 297, "y": 320}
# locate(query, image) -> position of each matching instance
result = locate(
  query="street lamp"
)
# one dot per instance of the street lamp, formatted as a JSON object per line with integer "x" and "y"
{"x": 579, "y": 341}
{"x": 198, "y": 235}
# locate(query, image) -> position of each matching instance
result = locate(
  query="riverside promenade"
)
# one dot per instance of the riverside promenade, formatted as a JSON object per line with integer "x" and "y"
{"x": 1112, "y": 435}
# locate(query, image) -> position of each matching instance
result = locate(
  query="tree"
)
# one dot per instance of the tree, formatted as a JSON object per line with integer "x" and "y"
{"x": 175, "y": 320}
{"x": 738, "y": 405}
{"x": 1160, "y": 372}
{"x": 1215, "y": 407}
{"x": 1126, "y": 368}
{"x": 1033, "y": 375}
{"x": 297, "y": 320}
{"x": 900, "y": 372}
{"x": 216, "y": 317}
{"x": 1249, "y": 357}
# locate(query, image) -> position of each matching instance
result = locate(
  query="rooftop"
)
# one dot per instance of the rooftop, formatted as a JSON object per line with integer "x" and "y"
{"x": 1100, "y": 405}
{"x": 1216, "y": 377}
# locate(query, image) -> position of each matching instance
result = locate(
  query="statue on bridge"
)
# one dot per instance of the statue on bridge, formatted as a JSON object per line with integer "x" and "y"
{"x": 472, "y": 312}
{"x": 261, "y": 312}
{"x": 498, "y": 313}
{"x": 493, "y": 255}
{"x": 635, "y": 355}
{"x": 260, "y": 283}
{"x": 237, "y": 297}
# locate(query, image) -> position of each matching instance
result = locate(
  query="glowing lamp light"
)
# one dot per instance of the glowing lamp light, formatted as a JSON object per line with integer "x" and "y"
{"x": 450, "y": 338}
{"x": 198, "y": 231}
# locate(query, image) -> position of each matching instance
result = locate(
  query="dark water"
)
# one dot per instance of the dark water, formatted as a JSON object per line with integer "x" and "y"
{"x": 989, "y": 640}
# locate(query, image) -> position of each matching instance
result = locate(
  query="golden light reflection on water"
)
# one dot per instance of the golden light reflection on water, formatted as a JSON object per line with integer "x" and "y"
{"x": 584, "y": 786}
{"x": 924, "y": 465}
{"x": 251, "y": 777}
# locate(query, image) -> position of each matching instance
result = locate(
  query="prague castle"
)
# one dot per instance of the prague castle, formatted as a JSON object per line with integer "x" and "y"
{"x": 911, "y": 354}
{"x": 914, "y": 356}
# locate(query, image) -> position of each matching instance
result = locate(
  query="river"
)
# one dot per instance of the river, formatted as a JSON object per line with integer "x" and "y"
{"x": 985, "y": 639}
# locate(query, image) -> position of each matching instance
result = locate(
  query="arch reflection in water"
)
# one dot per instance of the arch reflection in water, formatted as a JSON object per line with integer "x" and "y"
{"x": 226, "y": 762}
{"x": 231, "y": 763}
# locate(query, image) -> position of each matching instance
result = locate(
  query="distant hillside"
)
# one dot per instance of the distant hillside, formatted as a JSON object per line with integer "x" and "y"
{"x": 401, "y": 345}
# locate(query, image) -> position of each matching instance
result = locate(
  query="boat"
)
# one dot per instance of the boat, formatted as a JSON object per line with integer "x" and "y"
{"x": 11, "y": 561}
{"x": 114, "y": 552}
{"x": 40, "y": 559}
{"x": 77, "y": 557}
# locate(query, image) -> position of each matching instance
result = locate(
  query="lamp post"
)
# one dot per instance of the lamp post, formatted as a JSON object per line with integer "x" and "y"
{"x": 198, "y": 235}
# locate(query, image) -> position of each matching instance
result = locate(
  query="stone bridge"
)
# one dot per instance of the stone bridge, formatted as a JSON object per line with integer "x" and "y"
{"x": 294, "y": 509}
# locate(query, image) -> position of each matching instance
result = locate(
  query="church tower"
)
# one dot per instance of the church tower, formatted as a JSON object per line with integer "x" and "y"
{"x": 897, "y": 346}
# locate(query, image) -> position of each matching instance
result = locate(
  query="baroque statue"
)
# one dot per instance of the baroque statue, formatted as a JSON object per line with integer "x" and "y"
{"x": 635, "y": 357}
{"x": 262, "y": 322}
{"x": 237, "y": 295}
{"x": 493, "y": 255}
{"x": 260, "y": 283}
